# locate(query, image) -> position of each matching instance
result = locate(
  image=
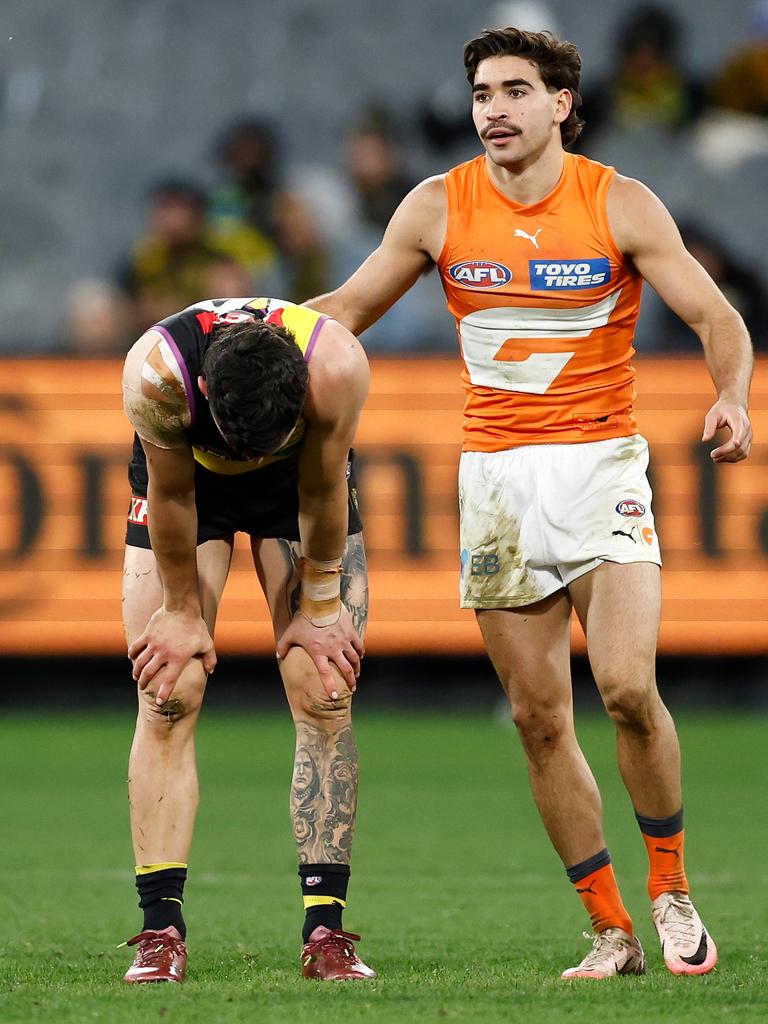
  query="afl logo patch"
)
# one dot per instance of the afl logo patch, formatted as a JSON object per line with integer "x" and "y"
{"x": 314, "y": 880}
{"x": 480, "y": 274}
{"x": 630, "y": 508}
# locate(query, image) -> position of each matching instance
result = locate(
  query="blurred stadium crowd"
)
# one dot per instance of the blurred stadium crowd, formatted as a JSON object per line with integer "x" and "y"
{"x": 270, "y": 201}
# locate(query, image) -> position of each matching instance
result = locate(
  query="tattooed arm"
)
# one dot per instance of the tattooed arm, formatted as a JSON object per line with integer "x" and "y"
{"x": 354, "y": 583}
{"x": 338, "y": 386}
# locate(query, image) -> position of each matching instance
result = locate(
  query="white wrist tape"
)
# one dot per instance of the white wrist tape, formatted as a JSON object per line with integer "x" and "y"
{"x": 320, "y": 595}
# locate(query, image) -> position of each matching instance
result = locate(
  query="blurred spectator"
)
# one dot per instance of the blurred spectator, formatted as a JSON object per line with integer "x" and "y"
{"x": 742, "y": 85}
{"x": 227, "y": 277}
{"x": 304, "y": 259}
{"x": 265, "y": 226}
{"x": 374, "y": 165}
{"x": 98, "y": 320}
{"x": 241, "y": 207}
{"x": 738, "y": 282}
{"x": 173, "y": 263}
{"x": 648, "y": 85}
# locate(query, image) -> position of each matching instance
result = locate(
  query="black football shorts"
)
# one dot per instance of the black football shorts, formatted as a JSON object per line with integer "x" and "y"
{"x": 262, "y": 503}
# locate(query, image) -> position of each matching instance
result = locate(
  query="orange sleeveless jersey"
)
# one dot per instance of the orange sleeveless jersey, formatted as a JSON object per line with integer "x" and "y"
{"x": 545, "y": 308}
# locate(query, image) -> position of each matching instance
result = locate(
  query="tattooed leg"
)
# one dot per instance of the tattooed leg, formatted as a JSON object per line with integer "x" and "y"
{"x": 325, "y": 774}
{"x": 324, "y": 793}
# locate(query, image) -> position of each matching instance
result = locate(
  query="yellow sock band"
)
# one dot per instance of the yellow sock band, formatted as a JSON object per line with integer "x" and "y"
{"x": 171, "y": 899}
{"x": 147, "y": 869}
{"x": 322, "y": 901}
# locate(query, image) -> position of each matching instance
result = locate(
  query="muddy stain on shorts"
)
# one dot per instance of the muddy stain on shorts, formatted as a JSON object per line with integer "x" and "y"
{"x": 493, "y": 569}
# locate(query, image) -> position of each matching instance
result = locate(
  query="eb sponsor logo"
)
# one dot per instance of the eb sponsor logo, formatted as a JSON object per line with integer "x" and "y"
{"x": 570, "y": 275}
{"x": 479, "y": 565}
{"x": 480, "y": 274}
{"x": 630, "y": 508}
{"x": 484, "y": 565}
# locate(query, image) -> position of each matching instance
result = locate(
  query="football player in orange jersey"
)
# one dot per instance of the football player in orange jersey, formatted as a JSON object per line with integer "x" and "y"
{"x": 542, "y": 255}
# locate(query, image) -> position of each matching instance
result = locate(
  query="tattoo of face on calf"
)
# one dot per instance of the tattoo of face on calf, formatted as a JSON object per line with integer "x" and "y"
{"x": 324, "y": 794}
{"x": 305, "y": 800}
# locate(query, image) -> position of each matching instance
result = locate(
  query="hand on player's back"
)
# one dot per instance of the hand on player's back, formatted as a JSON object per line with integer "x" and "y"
{"x": 170, "y": 641}
{"x": 338, "y": 644}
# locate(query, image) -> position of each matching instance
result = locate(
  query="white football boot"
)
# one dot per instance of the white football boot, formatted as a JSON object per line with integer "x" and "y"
{"x": 614, "y": 952}
{"x": 685, "y": 943}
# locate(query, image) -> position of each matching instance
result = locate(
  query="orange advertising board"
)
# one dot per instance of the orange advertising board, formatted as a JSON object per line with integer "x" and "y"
{"x": 64, "y": 444}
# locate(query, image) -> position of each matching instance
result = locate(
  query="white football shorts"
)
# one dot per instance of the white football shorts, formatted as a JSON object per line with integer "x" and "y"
{"x": 535, "y": 518}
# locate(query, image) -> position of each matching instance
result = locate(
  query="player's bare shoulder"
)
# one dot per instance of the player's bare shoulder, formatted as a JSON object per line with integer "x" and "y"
{"x": 154, "y": 394}
{"x": 423, "y": 216}
{"x": 635, "y": 214}
{"x": 339, "y": 375}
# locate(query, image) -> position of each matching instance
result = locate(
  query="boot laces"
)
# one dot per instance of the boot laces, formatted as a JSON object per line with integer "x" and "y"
{"x": 340, "y": 940}
{"x": 604, "y": 944}
{"x": 679, "y": 918}
{"x": 150, "y": 953}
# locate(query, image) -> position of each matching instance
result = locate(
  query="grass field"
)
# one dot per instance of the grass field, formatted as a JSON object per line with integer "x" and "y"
{"x": 465, "y": 910}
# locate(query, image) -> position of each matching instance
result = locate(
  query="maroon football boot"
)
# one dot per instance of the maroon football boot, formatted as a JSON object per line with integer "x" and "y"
{"x": 160, "y": 956}
{"x": 330, "y": 956}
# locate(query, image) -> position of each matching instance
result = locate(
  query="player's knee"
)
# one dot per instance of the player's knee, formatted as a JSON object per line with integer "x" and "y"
{"x": 307, "y": 696}
{"x": 181, "y": 708}
{"x": 541, "y": 727}
{"x": 313, "y": 703}
{"x": 632, "y": 704}
{"x": 309, "y": 701}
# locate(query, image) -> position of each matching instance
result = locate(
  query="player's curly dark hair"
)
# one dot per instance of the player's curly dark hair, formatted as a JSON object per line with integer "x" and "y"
{"x": 257, "y": 384}
{"x": 559, "y": 64}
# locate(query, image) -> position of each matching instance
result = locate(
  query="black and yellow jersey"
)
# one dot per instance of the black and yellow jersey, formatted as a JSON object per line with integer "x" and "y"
{"x": 178, "y": 359}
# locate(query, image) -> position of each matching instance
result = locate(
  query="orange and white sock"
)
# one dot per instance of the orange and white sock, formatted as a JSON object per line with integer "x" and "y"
{"x": 664, "y": 840}
{"x": 596, "y": 884}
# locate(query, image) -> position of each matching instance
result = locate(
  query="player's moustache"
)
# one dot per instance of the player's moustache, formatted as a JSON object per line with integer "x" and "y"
{"x": 511, "y": 128}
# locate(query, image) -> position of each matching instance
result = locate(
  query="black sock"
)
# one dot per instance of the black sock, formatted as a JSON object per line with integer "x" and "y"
{"x": 324, "y": 888}
{"x": 161, "y": 894}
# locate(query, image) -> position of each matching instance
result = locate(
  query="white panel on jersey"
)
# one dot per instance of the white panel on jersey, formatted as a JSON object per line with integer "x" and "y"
{"x": 484, "y": 332}
{"x": 219, "y": 305}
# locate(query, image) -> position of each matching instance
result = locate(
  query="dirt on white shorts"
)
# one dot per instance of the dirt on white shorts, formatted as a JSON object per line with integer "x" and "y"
{"x": 535, "y": 518}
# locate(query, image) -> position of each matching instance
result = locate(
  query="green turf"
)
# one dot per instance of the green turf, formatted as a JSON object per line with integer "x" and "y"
{"x": 464, "y": 908}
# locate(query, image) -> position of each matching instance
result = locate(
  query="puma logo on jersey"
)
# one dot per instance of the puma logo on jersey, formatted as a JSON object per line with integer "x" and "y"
{"x": 533, "y": 239}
